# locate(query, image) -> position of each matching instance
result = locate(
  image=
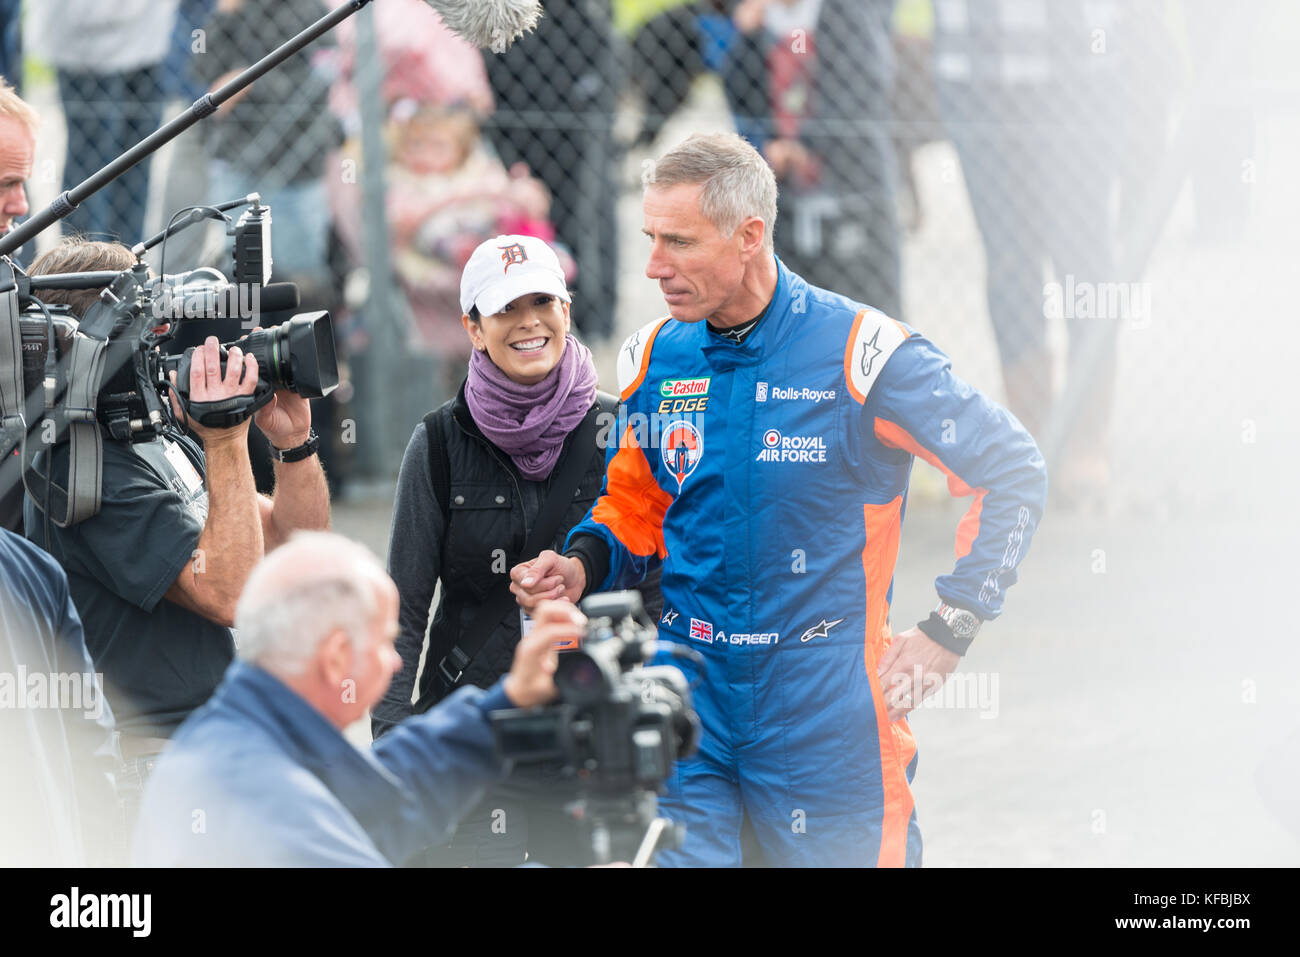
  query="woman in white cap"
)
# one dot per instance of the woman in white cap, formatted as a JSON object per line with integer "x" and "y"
{"x": 488, "y": 480}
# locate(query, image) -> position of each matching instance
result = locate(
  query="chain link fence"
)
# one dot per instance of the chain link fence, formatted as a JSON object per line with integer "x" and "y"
{"x": 1043, "y": 187}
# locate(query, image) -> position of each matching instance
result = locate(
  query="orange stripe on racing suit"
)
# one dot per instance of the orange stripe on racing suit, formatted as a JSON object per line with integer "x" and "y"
{"x": 968, "y": 529}
{"x": 633, "y": 505}
{"x": 882, "y": 524}
{"x": 645, "y": 362}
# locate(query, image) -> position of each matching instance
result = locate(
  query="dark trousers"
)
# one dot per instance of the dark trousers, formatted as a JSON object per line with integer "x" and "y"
{"x": 504, "y": 830}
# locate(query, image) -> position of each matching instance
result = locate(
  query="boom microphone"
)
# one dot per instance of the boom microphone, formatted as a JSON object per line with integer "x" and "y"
{"x": 494, "y": 24}
{"x": 485, "y": 23}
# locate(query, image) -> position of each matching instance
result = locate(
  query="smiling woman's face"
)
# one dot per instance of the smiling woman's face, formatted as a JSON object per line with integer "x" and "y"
{"x": 526, "y": 338}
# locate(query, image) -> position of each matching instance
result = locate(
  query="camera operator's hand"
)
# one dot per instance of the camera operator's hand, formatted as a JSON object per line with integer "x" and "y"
{"x": 207, "y": 384}
{"x": 286, "y": 419}
{"x": 532, "y": 675}
{"x": 548, "y": 576}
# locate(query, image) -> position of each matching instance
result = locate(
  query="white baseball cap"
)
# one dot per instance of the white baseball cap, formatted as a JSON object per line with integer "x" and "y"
{"x": 507, "y": 267}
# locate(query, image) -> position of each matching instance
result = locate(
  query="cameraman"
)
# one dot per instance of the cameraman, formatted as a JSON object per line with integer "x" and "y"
{"x": 156, "y": 573}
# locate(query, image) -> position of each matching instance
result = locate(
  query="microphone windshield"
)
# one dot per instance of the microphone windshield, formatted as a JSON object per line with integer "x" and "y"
{"x": 494, "y": 24}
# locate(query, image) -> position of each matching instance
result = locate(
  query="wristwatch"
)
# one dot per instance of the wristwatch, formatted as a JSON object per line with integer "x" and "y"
{"x": 963, "y": 623}
{"x": 954, "y": 628}
{"x": 298, "y": 452}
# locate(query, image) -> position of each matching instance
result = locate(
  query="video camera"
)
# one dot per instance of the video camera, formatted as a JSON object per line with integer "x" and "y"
{"x": 617, "y": 729}
{"x": 106, "y": 372}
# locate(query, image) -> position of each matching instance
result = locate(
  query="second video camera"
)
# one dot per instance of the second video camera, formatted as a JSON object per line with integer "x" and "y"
{"x": 618, "y": 728}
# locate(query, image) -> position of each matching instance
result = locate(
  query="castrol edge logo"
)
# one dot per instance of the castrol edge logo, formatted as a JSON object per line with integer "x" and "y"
{"x": 684, "y": 395}
{"x": 683, "y": 388}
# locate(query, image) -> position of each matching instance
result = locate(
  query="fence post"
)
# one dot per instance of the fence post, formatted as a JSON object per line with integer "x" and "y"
{"x": 379, "y": 362}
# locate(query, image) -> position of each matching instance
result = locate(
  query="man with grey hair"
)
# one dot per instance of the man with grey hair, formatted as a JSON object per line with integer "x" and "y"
{"x": 763, "y": 460}
{"x": 262, "y": 775}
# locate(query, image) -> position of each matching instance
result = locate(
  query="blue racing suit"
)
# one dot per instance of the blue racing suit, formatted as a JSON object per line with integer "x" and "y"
{"x": 770, "y": 479}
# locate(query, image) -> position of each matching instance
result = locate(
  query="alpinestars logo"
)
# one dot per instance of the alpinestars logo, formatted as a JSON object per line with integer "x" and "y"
{"x": 869, "y": 352}
{"x": 820, "y": 630}
{"x": 632, "y": 345}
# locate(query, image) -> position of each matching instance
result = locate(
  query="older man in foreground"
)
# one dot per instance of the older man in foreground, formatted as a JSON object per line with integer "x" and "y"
{"x": 262, "y": 775}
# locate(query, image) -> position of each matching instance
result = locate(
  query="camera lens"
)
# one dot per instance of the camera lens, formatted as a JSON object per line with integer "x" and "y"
{"x": 297, "y": 355}
{"x": 581, "y": 679}
{"x": 582, "y": 674}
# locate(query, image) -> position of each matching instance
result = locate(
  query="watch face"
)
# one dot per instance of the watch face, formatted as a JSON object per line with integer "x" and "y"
{"x": 964, "y": 624}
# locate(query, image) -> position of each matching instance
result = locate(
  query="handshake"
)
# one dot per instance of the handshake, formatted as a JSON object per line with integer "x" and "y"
{"x": 548, "y": 577}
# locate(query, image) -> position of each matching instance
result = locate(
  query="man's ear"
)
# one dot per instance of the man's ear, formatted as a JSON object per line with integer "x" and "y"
{"x": 751, "y": 233}
{"x": 334, "y": 658}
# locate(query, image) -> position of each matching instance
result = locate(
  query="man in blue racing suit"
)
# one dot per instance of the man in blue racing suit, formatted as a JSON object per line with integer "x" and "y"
{"x": 763, "y": 457}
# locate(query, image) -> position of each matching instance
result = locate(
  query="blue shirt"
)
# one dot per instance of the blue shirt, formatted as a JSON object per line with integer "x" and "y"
{"x": 258, "y": 777}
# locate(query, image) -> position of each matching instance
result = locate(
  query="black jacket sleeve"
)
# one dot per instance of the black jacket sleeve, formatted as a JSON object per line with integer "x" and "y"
{"x": 414, "y": 559}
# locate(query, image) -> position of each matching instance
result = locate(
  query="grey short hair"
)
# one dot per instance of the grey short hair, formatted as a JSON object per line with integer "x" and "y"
{"x": 313, "y": 585}
{"x": 738, "y": 183}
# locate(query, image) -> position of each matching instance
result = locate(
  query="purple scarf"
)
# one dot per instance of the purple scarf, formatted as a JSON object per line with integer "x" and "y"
{"x": 530, "y": 422}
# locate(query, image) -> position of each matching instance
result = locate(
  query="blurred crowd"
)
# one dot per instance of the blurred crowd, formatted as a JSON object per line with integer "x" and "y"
{"x": 1059, "y": 113}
